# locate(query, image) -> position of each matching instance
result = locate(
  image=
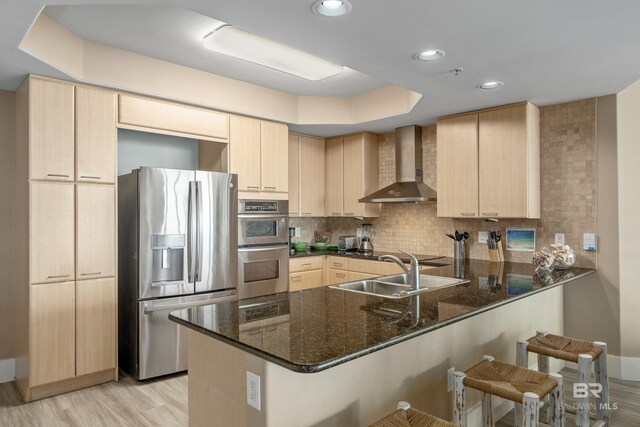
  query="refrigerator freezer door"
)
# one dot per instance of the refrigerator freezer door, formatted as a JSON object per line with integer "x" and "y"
{"x": 165, "y": 244}
{"x": 163, "y": 343}
{"x": 217, "y": 241}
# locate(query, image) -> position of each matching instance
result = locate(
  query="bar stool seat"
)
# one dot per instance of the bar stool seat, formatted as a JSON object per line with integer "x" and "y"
{"x": 411, "y": 418}
{"x": 564, "y": 348}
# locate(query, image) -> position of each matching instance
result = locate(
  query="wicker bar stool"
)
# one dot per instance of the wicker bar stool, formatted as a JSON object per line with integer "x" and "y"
{"x": 406, "y": 416}
{"x": 520, "y": 385}
{"x": 585, "y": 354}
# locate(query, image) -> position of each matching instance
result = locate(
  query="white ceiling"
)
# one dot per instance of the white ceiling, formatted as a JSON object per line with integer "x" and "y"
{"x": 546, "y": 51}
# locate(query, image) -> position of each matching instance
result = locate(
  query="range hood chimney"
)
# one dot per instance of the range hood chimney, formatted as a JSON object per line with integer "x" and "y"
{"x": 409, "y": 187}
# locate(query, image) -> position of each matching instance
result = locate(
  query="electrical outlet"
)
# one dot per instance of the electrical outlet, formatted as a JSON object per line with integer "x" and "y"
{"x": 298, "y": 232}
{"x": 589, "y": 242}
{"x": 559, "y": 238}
{"x": 450, "y": 379}
{"x": 483, "y": 236}
{"x": 253, "y": 390}
{"x": 359, "y": 232}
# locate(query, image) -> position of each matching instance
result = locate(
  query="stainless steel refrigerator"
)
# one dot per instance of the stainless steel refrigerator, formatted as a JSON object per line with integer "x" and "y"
{"x": 177, "y": 248}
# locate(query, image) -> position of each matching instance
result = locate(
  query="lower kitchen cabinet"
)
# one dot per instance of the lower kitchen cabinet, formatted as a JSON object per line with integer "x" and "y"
{"x": 305, "y": 280}
{"x": 95, "y": 325}
{"x": 338, "y": 276}
{"x": 355, "y": 276}
{"x": 52, "y": 322}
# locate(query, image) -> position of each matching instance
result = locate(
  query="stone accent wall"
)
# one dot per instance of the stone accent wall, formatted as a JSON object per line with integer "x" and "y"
{"x": 568, "y": 194}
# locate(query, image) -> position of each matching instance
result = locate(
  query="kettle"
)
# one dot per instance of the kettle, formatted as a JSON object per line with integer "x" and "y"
{"x": 366, "y": 247}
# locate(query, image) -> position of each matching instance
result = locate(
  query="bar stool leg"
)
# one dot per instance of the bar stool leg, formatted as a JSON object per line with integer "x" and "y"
{"x": 460, "y": 400}
{"x": 600, "y": 367}
{"x": 530, "y": 407}
{"x": 522, "y": 360}
{"x": 487, "y": 410}
{"x": 556, "y": 403}
{"x": 584, "y": 374}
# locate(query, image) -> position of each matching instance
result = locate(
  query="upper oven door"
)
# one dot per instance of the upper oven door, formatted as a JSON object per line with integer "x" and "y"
{"x": 260, "y": 229}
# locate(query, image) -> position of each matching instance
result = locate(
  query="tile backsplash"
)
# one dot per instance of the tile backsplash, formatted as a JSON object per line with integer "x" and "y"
{"x": 568, "y": 194}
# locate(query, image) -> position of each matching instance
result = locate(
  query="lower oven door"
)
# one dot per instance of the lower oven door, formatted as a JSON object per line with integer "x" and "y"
{"x": 263, "y": 270}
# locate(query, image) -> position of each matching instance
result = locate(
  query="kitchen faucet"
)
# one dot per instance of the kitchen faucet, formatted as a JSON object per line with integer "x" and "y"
{"x": 413, "y": 271}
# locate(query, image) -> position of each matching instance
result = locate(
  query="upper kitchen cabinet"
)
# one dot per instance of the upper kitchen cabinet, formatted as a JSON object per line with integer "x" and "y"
{"x": 96, "y": 135}
{"x": 351, "y": 173}
{"x": 259, "y": 154}
{"x": 306, "y": 176}
{"x": 152, "y": 115}
{"x": 489, "y": 163}
{"x": 51, "y": 130}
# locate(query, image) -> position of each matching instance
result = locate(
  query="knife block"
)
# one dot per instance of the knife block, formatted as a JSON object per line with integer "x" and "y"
{"x": 496, "y": 255}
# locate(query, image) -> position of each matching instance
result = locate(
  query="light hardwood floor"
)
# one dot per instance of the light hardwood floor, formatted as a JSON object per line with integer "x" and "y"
{"x": 164, "y": 403}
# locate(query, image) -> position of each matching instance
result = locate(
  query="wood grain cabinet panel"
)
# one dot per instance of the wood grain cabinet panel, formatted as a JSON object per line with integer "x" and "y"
{"x": 305, "y": 280}
{"x": 95, "y": 219}
{"x": 244, "y": 152}
{"x": 306, "y": 263}
{"x": 457, "y": 154}
{"x": 338, "y": 276}
{"x": 51, "y": 130}
{"x": 274, "y": 157}
{"x": 95, "y": 326}
{"x": 294, "y": 175}
{"x": 312, "y": 170}
{"x": 51, "y": 232}
{"x": 355, "y": 276}
{"x": 52, "y": 333}
{"x": 96, "y": 135}
{"x": 171, "y": 118}
{"x": 334, "y": 177}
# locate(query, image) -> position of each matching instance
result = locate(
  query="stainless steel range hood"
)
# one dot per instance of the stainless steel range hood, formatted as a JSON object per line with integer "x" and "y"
{"x": 409, "y": 187}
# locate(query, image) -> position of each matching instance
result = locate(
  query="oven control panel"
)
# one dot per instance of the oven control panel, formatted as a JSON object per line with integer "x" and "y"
{"x": 264, "y": 206}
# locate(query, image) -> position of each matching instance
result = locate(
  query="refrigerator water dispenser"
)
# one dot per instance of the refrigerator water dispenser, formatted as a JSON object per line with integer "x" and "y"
{"x": 168, "y": 257}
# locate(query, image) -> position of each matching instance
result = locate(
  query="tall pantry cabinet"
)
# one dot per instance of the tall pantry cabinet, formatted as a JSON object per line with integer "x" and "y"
{"x": 66, "y": 237}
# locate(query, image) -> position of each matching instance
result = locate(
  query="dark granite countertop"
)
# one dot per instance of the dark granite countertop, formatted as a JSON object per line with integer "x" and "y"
{"x": 316, "y": 329}
{"x": 424, "y": 259}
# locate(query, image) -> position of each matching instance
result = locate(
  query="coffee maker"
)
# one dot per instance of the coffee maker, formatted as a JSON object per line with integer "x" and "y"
{"x": 366, "y": 244}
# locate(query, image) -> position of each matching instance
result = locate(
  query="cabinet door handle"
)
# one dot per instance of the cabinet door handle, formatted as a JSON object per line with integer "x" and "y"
{"x": 338, "y": 264}
{"x": 296, "y": 277}
{"x": 90, "y": 177}
{"x": 60, "y": 276}
{"x": 306, "y": 213}
{"x": 270, "y": 188}
{"x": 274, "y": 328}
{"x": 252, "y": 187}
{"x": 336, "y": 213}
{"x": 490, "y": 213}
{"x": 349, "y": 213}
{"x": 467, "y": 214}
{"x": 340, "y": 274}
{"x": 57, "y": 175}
{"x": 306, "y": 265}
{"x": 258, "y": 332}
{"x": 91, "y": 274}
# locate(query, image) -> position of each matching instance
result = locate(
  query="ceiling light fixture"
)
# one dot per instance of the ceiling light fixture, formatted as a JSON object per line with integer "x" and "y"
{"x": 430, "y": 55}
{"x": 495, "y": 84}
{"x": 331, "y": 8}
{"x": 232, "y": 41}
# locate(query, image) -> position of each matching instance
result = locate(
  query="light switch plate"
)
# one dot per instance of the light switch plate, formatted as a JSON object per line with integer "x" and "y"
{"x": 559, "y": 238}
{"x": 589, "y": 241}
{"x": 253, "y": 390}
{"x": 483, "y": 236}
{"x": 297, "y": 233}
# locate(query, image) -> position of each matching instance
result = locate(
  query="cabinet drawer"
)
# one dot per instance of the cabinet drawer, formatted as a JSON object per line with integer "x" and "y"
{"x": 307, "y": 263}
{"x": 338, "y": 263}
{"x": 338, "y": 276}
{"x": 305, "y": 280}
{"x": 378, "y": 268}
{"x": 170, "y": 117}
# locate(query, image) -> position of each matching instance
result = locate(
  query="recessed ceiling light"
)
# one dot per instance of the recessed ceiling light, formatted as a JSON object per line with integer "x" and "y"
{"x": 495, "y": 84}
{"x": 232, "y": 41}
{"x": 331, "y": 7}
{"x": 430, "y": 55}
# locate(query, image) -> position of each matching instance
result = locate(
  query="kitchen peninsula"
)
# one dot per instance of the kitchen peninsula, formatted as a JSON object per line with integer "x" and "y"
{"x": 328, "y": 357}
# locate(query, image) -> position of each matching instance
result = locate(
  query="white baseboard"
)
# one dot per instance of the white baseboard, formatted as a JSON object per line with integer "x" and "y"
{"x": 623, "y": 368}
{"x": 7, "y": 370}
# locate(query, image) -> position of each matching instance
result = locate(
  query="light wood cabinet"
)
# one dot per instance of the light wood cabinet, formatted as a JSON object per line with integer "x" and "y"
{"x": 306, "y": 176}
{"x": 334, "y": 177}
{"x": 338, "y": 276}
{"x": 95, "y": 231}
{"x": 489, "y": 163}
{"x": 96, "y": 135}
{"x": 305, "y": 280}
{"x": 259, "y": 154}
{"x": 274, "y": 157}
{"x": 338, "y": 263}
{"x": 96, "y": 337}
{"x": 458, "y": 167}
{"x": 294, "y": 175}
{"x": 307, "y": 263}
{"x": 356, "y": 172}
{"x": 355, "y": 276}
{"x": 52, "y": 332}
{"x": 153, "y": 115}
{"x": 51, "y": 232}
{"x": 51, "y": 130}
{"x": 376, "y": 268}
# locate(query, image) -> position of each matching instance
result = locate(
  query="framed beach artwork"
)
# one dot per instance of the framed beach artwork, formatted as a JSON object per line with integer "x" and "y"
{"x": 521, "y": 239}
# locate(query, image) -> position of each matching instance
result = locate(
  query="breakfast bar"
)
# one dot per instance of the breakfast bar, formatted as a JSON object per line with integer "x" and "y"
{"x": 329, "y": 357}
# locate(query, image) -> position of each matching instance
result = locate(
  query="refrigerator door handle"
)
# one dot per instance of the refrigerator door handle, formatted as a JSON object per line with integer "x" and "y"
{"x": 192, "y": 229}
{"x": 150, "y": 306}
{"x": 200, "y": 232}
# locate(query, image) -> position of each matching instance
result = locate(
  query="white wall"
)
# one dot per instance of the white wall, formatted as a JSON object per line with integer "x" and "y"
{"x": 137, "y": 149}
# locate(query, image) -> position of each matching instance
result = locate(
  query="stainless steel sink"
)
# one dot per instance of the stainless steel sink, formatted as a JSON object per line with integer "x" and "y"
{"x": 396, "y": 287}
